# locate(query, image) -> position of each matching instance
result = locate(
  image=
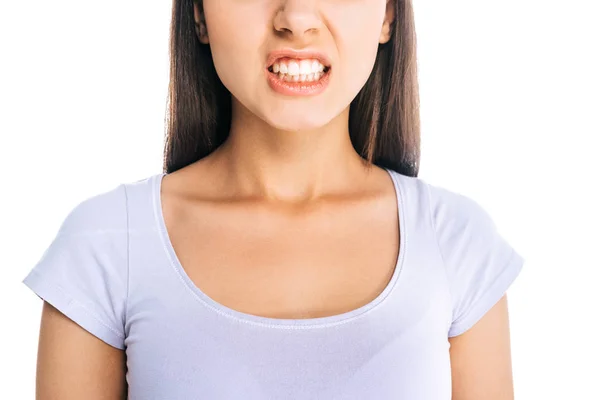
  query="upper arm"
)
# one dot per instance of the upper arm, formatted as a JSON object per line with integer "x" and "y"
{"x": 83, "y": 279}
{"x": 480, "y": 265}
{"x": 481, "y": 359}
{"x": 74, "y": 364}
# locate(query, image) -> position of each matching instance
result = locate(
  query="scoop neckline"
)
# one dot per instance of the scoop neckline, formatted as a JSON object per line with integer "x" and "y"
{"x": 281, "y": 323}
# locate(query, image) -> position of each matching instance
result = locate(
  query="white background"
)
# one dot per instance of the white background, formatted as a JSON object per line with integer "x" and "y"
{"x": 510, "y": 109}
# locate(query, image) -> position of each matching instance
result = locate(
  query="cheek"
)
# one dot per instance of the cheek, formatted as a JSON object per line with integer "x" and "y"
{"x": 230, "y": 58}
{"x": 356, "y": 33}
{"x": 235, "y": 65}
{"x": 357, "y": 58}
{"x": 235, "y": 46}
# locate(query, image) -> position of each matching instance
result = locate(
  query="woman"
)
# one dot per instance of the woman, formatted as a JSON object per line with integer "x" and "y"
{"x": 289, "y": 250}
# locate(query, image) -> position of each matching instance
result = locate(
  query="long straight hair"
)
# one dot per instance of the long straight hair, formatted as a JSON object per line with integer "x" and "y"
{"x": 384, "y": 119}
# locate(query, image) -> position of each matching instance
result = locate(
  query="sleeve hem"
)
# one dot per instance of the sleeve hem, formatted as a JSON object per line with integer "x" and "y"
{"x": 74, "y": 310}
{"x": 490, "y": 298}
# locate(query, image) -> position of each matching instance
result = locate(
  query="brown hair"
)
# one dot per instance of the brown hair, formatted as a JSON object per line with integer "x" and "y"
{"x": 384, "y": 117}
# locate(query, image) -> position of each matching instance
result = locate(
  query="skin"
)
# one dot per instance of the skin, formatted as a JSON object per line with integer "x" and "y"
{"x": 74, "y": 364}
{"x": 290, "y": 191}
{"x": 481, "y": 358}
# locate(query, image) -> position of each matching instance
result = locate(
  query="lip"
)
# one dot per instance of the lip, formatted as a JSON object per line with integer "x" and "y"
{"x": 298, "y": 88}
{"x": 298, "y": 54}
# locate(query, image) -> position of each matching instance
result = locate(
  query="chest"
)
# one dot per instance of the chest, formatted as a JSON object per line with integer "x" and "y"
{"x": 317, "y": 263}
{"x": 181, "y": 345}
{"x": 326, "y": 368}
{"x": 182, "y": 349}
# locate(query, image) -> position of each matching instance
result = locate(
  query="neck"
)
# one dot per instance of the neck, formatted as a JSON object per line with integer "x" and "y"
{"x": 267, "y": 162}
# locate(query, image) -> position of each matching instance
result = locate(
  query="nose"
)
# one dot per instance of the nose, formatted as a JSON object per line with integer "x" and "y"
{"x": 298, "y": 19}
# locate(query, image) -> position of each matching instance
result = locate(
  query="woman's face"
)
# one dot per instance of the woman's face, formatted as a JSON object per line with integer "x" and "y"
{"x": 243, "y": 34}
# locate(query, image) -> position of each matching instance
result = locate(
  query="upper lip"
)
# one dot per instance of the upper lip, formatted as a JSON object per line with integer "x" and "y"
{"x": 299, "y": 54}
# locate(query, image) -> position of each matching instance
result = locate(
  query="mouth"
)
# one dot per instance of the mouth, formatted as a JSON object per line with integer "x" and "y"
{"x": 299, "y": 70}
{"x": 297, "y": 66}
{"x": 294, "y": 79}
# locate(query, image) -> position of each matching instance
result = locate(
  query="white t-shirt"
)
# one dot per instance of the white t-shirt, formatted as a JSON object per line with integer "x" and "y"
{"x": 113, "y": 270}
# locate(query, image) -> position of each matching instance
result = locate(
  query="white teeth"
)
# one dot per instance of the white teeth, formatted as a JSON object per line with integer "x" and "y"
{"x": 305, "y": 67}
{"x": 316, "y": 66}
{"x": 302, "y": 67}
{"x": 293, "y": 68}
{"x": 300, "y": 78}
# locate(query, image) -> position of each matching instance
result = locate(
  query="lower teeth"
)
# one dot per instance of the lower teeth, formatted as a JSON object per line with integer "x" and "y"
{"x": 300, "y": 78}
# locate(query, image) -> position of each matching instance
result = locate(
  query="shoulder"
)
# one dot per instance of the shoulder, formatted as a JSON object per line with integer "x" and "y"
{"x": 440, "y": 204}
{"x": 101, "y": 212}
{"x": 451, "y": 207}
{"x": 105, "y": 211}
{"x": 479, "y": 261}
{"x": 461, "y": 225}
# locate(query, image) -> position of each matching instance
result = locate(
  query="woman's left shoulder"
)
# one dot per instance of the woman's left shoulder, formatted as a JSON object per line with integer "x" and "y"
{"x": 481, "y": 263}
{"x": 443, "y": 204}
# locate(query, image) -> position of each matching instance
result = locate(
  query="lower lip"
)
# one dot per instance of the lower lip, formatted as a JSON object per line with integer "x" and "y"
{"x": 298, "y": 88}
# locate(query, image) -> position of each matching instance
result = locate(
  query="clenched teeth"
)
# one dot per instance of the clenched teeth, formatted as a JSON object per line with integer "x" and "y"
{"x": 293, "y": 70}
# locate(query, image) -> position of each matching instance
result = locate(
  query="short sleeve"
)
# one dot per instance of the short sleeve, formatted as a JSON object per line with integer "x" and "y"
{"x": 83, "y": 272}
{"x": 480, "y": 263}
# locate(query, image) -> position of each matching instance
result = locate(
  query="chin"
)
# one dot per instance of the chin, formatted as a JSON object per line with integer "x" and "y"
{"x": 298, "y": 120}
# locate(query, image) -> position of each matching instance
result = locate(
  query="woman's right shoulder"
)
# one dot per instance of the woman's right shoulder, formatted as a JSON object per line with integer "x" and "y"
{"x": 84, "y": 270}
{"x": 102, "y": 211}
{"x": 107, "y": 210}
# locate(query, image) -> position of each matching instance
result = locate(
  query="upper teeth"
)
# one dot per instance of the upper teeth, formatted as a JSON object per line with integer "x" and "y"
{"x": 295, "y": 67}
